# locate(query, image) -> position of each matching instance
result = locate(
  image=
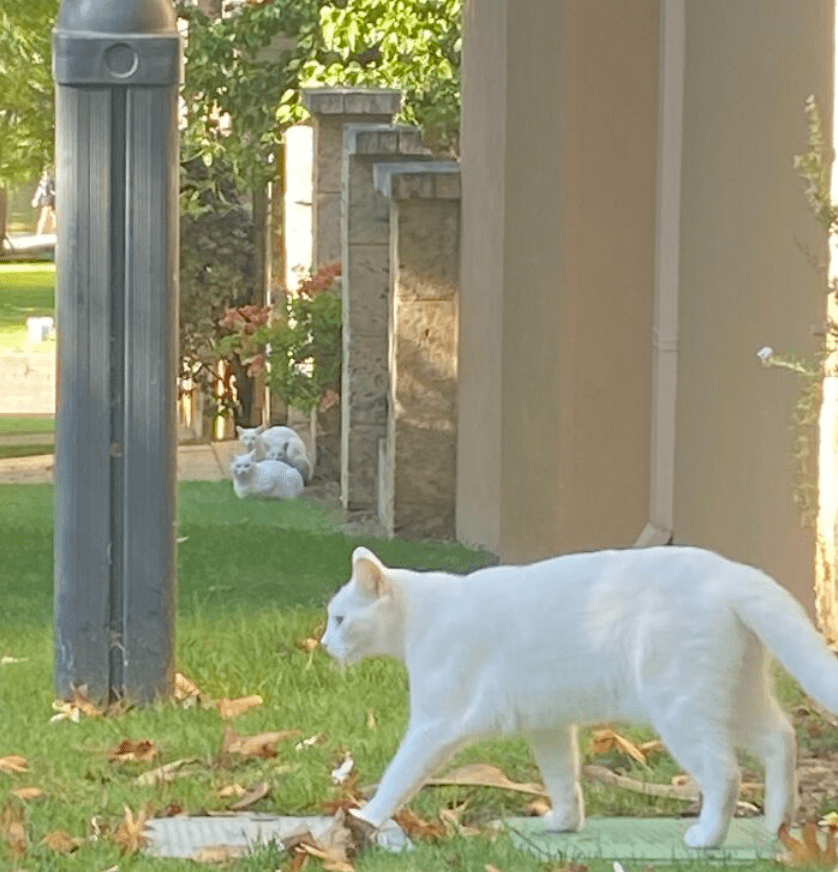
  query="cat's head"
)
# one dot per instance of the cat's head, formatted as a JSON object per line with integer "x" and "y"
{"x": 242, "y": 465}
{"x": 276, "y": 453}
{"x": 249, "y": 436}
{"x": 365, "y": 616}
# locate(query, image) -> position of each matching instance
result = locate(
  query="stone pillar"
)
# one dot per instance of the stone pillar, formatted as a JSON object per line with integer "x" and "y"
{"x": 365, "y": 256}
{"x": 331, "y": 110}
{"x": 417, "y": 460}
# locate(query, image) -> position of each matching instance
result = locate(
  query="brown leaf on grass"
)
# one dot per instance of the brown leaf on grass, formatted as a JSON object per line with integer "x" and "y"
{"x": 133, "y": 751}
{"x": 606, "y": 740}
{"x": 452, "y": 819}
{"x": 261, "y": 745}
{"x": 538, "y": 807}
{"x": 807, "y": 851}
{"x": 309, "y": 645}
{"x": 79, "y": 705}
{"x": 167, "y": 772}
{"x": 333, "y": 848}
{"x": 234, "y": 790}
{"x": 232, "y": 708}
{"x": 185, "y": 688}
{"x": 12, "y": 827}
{"x": 130, "y": 834}
{"x": 417, "y": 827}
{"x": 485, "y": 775}
{"x": 251, "y": 796}
{"x": 13, "y": 764}
{"x": 29, "y": 793}
{"x": 60, "y": 842}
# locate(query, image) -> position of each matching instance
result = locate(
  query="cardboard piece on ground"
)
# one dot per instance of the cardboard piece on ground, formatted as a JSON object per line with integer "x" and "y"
{"x": 187, "y": 837}
{"x": 646, "y": 839}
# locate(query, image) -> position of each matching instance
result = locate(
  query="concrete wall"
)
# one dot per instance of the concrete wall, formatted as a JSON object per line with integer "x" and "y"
{"x": 744, "y": 283}
{"x": 559, "y": 154}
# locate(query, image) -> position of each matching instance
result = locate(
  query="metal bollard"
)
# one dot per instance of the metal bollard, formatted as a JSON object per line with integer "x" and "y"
{"x": 117, "y": 67}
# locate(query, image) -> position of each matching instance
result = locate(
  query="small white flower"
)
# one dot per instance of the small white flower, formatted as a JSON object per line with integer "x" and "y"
{"x": 765, "y": 353}
{"x": 618, "y": 867}
{"x": 342, "y": 772}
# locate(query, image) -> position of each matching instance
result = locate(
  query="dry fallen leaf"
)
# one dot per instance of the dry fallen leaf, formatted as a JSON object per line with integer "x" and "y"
{"x": 130, "y": 834}
{"x": 310, "y": 742}
{"x": 29, "y": 793}
{"x": 261, "y": 745}
{"x": 234, "y": 790}
{"x": 606, "y": 740}
{"x": 6, "y": 660}
{"x": 167, "y": 772}
{"x": 232, "y": 708}
{"x": 309, "y": 645}
{"x": 133, "y": 751}
{"x": 486, "y": 775}
{"x": 807, "y": 851}
{"x": 185, "y": 688}
{"x": 688, "y": 792}
{"x": 251, "y": 796}
{"x": 60, "y": 842}
{"x": 452, "y": 819}
{"x": 79, "y": 705}
{"x": 416, "y": 827}
{"x": 371, "y": 722}
{"x": 13, "y": 763}
{"x": 12, "y": 828}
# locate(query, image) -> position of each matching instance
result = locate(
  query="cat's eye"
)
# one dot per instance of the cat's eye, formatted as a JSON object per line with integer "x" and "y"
{"x": 338, "y": 620}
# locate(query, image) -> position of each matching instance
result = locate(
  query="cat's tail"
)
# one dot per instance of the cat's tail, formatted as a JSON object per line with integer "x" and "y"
{"x": 779, "y": 620}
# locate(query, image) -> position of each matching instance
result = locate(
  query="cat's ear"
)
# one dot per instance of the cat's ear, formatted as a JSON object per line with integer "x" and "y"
{"x": 239, "y": 430}
{"x": 369, "y": 572}
{"x": 260, "y": 429}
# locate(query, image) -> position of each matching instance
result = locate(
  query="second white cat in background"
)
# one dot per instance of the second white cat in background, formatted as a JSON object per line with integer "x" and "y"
{"x": 264, "y": 479}
{"x": 277, "y": 443}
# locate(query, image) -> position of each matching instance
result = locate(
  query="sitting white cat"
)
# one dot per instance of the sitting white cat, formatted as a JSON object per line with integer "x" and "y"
{"x": 277, "y": 443}
{"x": 264, "y": 479}
{"x": 671, "y": 636}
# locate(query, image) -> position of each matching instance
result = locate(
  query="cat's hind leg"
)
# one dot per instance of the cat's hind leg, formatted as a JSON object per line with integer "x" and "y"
{"x": 765, "y": 731}
{"x": 557, "y": 756}
{"x": 704, "y": 748}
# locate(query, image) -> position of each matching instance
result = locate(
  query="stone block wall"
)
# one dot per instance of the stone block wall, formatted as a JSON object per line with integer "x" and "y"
{"x": 365, "y": 259}
{"x": 417, "y": 458}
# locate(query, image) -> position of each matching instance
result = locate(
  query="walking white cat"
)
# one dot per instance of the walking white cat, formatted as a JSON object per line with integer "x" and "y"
{"x": 277, "y": 443}
{"x": 264, "y": 479}
{"x": 675, "y": 637}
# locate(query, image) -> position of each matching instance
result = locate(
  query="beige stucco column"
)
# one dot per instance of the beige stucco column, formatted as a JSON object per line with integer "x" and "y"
{"x": 559, "y": 143}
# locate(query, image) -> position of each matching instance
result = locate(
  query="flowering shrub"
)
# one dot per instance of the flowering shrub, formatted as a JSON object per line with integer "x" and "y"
{"x": 297, "y": 344}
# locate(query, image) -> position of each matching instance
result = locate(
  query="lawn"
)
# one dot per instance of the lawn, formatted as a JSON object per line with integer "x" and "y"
{"x": 27, "y": 290}
{"x": 253, "y": 582}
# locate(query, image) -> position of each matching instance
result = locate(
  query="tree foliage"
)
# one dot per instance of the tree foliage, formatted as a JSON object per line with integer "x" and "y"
{"x": 27, "y": 105}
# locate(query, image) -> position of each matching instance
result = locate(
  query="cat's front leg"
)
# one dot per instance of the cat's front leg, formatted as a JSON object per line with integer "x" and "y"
{"x": 424, "y": 748}
{"x": 557, "y": 757}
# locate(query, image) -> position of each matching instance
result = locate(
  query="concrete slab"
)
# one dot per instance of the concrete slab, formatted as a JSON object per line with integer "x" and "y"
{"x": 644, "y": 839}
{"x": 187, "y": 837}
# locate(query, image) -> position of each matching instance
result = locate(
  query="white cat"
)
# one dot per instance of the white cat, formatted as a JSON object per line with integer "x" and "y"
{"x": 277, "y": 443}
{"x": 265, "y": 479}
{"x": 671, "y": 636}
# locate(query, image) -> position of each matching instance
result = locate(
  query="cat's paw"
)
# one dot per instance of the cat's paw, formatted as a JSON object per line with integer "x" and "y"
{"x": 563, "y": 820}
{"x": 698, "y": 836}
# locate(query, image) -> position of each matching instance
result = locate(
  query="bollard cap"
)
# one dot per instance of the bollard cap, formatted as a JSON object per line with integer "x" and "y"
{"x": 117, "y": 16}
{"x": 116, "y": 42}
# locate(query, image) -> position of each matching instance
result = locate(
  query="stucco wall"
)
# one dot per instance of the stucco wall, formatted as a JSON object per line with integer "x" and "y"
{"x": 558, "y": 154}
{"x": 744, "y": 282}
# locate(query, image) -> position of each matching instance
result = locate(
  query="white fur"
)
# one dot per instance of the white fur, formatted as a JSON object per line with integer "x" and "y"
{"x": 675, "y": 637}
{"x": 277, "y": 443}
{"x": 265, "y": 479}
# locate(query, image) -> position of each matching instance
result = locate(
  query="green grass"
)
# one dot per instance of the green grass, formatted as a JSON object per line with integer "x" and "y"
{"x": 253, "y": 582}
{"x": 26, "y": 290}
{"x": 26, "y": 425}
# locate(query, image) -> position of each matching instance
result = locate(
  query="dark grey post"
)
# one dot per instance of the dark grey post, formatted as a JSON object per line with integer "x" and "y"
{"x": 117, "y": 68}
